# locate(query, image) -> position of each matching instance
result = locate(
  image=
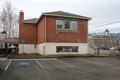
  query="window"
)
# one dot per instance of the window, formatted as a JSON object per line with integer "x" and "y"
{"x": 59, "y": 24}
{"x": 74, "y": 25}
{"x": 65, "y": 24}
{"x": 66, "y": 49}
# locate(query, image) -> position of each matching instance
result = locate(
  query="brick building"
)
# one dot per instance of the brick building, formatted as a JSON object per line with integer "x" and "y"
{"x": 53, "y": 33}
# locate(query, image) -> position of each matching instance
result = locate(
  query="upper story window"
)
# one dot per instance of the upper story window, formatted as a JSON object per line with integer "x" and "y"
{"x": 59, "y": 24}
{"x": 74, "y": 25}
{"x": 66, "y": 24}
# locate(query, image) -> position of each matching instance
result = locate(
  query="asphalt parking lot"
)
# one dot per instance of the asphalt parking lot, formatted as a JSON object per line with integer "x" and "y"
{"x": 91, "y": 68}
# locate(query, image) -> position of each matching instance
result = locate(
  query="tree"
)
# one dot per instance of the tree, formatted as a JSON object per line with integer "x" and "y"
{"x": 8, "y": 19}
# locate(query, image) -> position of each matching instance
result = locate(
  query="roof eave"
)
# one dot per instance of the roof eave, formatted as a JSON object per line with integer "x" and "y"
{"x": 81, "y": 17}
{"x": 29, "y": 22}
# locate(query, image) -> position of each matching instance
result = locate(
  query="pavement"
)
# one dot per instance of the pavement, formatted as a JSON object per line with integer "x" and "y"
{"x": 89, "y": 68}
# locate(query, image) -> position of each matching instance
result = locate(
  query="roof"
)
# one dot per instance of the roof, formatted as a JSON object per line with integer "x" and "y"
{"x": 32, "y": 20}
{"x": 57, "y": 14}
{"x": 65, "y": 14}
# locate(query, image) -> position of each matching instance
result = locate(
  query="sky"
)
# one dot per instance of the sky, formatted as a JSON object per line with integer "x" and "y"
{"x": 101, "y": 11}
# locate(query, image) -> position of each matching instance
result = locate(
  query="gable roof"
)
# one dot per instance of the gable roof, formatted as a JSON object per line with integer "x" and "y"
{"x": 65, "y": 14}
{"x": 32, "y": 20}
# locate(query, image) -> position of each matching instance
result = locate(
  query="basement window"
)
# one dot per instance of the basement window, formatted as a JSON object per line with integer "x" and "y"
{"x": 66, "y": 49}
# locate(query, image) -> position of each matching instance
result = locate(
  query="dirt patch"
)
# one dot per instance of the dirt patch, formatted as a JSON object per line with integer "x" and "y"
{"x": 25, "y": 56}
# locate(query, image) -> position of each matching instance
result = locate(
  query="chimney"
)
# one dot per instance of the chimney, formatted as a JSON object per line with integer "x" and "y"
{"x": 21, "y": 20}
{"x": 21, "y": 17}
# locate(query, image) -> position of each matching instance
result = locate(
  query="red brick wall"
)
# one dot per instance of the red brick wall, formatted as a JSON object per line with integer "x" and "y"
{"x": 35, "y": 33}
{"x": 83, "y": 31}
{"x": 28, "y": 31}
{"x": 50, "y": 29}
{"x": 66, "y": 36}
{"x": 41, "y": 31}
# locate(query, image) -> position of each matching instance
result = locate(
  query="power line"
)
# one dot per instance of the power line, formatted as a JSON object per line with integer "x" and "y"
{"x": 108, "y": 24}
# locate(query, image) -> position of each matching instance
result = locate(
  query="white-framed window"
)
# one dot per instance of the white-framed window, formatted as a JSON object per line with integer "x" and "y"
{"x": 59, "y": 24}
{"x": 66, "y": 49}
{"x": 66, "y": 24}
{"x": 74, "y": 25}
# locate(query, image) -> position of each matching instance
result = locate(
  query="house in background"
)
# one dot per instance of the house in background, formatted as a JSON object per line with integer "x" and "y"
{"x": 53, "y": 33}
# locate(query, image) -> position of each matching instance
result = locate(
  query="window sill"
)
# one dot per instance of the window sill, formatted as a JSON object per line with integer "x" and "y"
{"x": 74, "y": 31}
{"x": 66, "y": 52}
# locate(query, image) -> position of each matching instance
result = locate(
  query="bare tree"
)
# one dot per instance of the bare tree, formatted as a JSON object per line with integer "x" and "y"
{"x": 8, "y": 19}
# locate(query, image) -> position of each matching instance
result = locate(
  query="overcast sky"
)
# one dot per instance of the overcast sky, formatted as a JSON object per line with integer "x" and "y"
{"x": 101, "y": 11}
